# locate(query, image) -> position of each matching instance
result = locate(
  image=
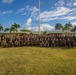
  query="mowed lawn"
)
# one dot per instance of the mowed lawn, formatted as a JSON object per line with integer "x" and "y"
{"x": 37, "y": 61}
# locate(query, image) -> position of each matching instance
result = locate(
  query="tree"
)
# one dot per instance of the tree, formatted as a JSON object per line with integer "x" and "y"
{"x": 31, "y": 33}
{"x": 74, "y": 29}
{"x": 45, "y": 32}
{"x": 58, "y": 26}
{"x": 63, "y": 28}
{"x": 1, "y": 28}
{"x": 16, "y": 26}
{"x": 12, "y": 28}
{"x": 6, "y": 29}
{"x": 68, "y": 26}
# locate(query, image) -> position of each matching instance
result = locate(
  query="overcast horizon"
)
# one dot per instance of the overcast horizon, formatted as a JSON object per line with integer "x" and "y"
{"x": 25, "y": 13}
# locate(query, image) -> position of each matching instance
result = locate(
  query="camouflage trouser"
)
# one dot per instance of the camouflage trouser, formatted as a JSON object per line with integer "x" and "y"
{"x": 16, "y": 43}
{"x": 10, "y": 44}
{"x": 36, "y": 43}
{"x": 31, "y": 43}
{"x": 41, "y": 44}
{"x": 75, "y": 44}
{"x": 47, "y": 44}
{"x": 28, "y": 43}
{"x": 53, "y": 44}
{"x": 0, "y": 43}
{"x": 3, "y": 43}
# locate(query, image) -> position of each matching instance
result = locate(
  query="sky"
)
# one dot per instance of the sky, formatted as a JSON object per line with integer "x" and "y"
{"x": 25, "y": 13}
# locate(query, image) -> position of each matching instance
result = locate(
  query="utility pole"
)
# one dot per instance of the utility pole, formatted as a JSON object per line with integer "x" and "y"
{"x": 39, "y": 17}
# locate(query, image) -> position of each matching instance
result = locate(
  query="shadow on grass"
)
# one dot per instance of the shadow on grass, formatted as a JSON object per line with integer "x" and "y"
{"x": 62, "y": 48}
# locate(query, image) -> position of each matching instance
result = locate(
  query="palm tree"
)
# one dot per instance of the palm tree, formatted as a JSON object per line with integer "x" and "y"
{"x": 68, "y": 26}
{"x": 74, "y": 29}
{"x": 12, "y": 28}
{"x": 58, "y": 26}
{"x": 63, "y": 29}
{"x": 45, "y": 32}
{"x": 6, "y": 29}
{"x": 16, "y": 26}
{"x": 1, "y": 28}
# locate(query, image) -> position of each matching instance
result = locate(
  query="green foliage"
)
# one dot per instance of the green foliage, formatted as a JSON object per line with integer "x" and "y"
{"x": 12, "y": 29}
{"x": 58, "y": 26}
{"x": 15, "y": 27}
{"x": 1, "y": 28}
{"x": 31, "y": 33}
{"x": 6, "y": 29}
{"x": 74, "y": 29}
{"x": 68, "y": 26}
{"x": 45, "y": 32}
{"x": 63, "y": 28}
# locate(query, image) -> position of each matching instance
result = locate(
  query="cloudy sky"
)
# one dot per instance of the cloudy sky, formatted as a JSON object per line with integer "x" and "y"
{"x": 25, "y": 13}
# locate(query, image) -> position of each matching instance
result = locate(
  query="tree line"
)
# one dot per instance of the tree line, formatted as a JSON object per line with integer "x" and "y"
{"x": 68, "y": 27}
{"x": 14, "y": 27}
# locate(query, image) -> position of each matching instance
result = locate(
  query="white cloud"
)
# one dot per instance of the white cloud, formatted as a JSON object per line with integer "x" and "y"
{"x": 74, "y": 23}
{"x": 7, "y": 1}
{"x": 60, "y": 3}
{"x": 34, "y": 13}
{"x": 43, "y": 27}
{"x": 5, "y": 12}
{"x": 69, "y": 17}
{"x": 54, "y": 14}
{"x": 33, "y": 10}
{"x": 46, "y": 27}
{"x": 61, "y": 13}
{"x": 24, "y": 13}
{"x": 21, "y": 10}
{"x": 27, "y": 7}
{"x": 74, "y": 4}
{"x": 70, "y": 4}
{"x": 28, "y": 23}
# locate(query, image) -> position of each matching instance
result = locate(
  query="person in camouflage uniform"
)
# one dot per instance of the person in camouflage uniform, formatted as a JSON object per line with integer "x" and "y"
{"x": 51, "y": 40}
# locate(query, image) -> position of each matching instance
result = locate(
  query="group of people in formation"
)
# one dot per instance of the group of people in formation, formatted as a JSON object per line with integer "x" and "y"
{"x": 50, "y": 40}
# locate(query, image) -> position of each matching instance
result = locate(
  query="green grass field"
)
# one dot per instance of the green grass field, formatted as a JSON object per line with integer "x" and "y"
{"x": 37, "y": 61}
